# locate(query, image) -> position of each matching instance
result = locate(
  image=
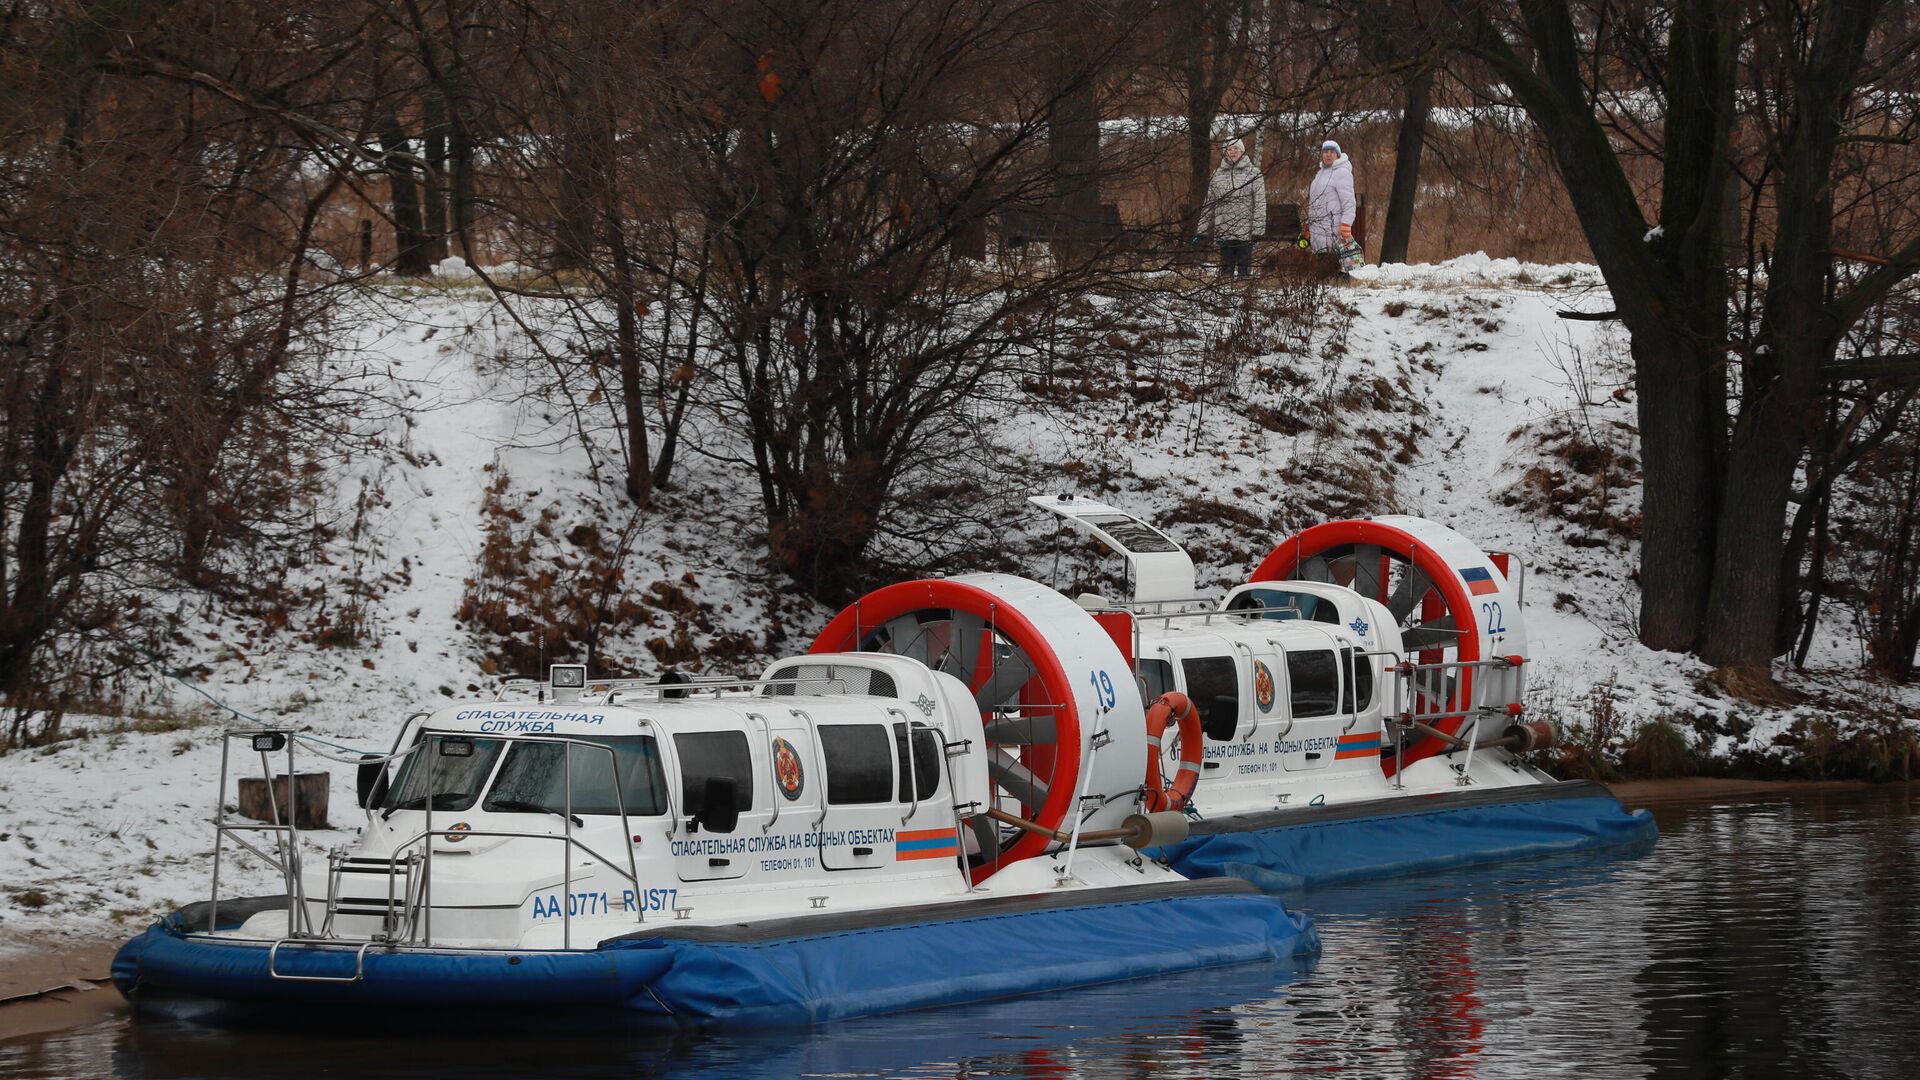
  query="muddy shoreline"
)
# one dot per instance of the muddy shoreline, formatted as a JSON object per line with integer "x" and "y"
{"x": 69, "y": 966}
{"x": 72, "y": 966}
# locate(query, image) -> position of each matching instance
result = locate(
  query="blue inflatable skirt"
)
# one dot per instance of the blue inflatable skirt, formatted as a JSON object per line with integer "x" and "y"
{"x": 1290, "y": 850}
{"x": 790, "y": 971}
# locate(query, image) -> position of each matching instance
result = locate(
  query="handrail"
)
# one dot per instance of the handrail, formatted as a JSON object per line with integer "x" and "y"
{"x": 913, "y": 771}
{"x": 1253, "y": 714}
{"x": 626, "y": 828}
{"x": 566, "y": 863}
{"x": 600, "y": 691}
{"x": 1208, "y": 614}
{"x": 1349, "y": 678}
{"x": 773, "y": 779}
{"x": 819, "y": 761}
{"x": 1280, "y": 660}
{"x": 359, "y": 966}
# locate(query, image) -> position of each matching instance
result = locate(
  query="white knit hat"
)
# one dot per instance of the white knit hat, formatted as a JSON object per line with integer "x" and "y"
{"x": 1330, "y": 145}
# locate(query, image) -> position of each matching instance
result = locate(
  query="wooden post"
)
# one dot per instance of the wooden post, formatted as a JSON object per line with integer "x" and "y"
{"x": 312, "y": 787}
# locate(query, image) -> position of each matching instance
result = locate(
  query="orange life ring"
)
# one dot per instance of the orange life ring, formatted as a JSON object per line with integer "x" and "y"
{"x": 1192, "y": 744}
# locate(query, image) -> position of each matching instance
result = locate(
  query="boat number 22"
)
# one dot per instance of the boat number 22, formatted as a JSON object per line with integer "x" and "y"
{"x": 1494, "y": 622}
{"x": 1103, "y": 694}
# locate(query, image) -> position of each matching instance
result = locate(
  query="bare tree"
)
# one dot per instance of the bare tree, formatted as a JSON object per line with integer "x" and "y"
{"x": 835, "y": 152}
{"x": 160, "y": 290}
{"x": 1674, "y": 86}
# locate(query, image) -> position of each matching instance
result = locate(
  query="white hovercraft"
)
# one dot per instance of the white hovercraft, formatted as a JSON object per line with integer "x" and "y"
{"x": 1355, "y": 709}
{"x": 848, "y": 834}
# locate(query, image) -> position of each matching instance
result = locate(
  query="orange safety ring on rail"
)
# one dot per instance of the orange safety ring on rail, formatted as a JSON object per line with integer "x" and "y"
{"x": 1192, "y": 744}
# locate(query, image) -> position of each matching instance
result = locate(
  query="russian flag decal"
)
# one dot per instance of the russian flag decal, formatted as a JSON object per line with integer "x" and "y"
{"x": 925, "y": 844}
{"x": 1479, "y": 581}
{"x": 1358, "y": 744}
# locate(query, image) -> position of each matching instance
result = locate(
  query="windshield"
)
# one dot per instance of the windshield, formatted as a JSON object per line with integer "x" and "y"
{"x": 534, "y": 778}
{"x": 453, "y": 779}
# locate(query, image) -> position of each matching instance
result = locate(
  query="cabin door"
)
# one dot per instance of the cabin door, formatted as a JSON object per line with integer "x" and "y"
{"x": 701, "y": 852}
{"x": 862, "y": 814}
{"x": 1313, "y": 698}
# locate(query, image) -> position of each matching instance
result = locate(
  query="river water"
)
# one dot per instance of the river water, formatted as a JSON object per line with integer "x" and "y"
{"x": 1774, "y": 937}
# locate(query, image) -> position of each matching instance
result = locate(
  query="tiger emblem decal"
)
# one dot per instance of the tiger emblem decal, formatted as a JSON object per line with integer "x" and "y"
{"x": 788, "y": 776}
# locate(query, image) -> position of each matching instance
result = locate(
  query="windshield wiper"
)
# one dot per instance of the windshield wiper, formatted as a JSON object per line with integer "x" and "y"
{"x": 419, "y": 802}
{"x": 522, "y": 804}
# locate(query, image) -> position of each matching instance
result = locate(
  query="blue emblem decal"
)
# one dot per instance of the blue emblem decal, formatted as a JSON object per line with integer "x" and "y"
{"x": 1358, "y": 626}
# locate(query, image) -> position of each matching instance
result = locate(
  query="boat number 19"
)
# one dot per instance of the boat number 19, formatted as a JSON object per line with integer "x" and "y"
{"x": 1103, "y": 694}
{"x": 1495, "y": 622}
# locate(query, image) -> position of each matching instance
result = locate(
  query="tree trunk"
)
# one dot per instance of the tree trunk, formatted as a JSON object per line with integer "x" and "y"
{"x": 1406, "y": 168}
{"x": 680, "y": 377}
{"x": 1678, "y": 426}
{"x": 1743, "y": 604}
{"x": 1816, "y": 583}
{"x": 434, "y": 183}
{"x": 1199, "y": 167}
{"x": 627, "y": 355}
{"x": 1203, "y": 104}
{"x": 30, "y": 611}
{"x": 412, "y": 255}
{"x": 1780, "y": 381}
{"x": 574, "y": 203}
{"x": 1073, "y": 141}
{"x": 462, "y": 184}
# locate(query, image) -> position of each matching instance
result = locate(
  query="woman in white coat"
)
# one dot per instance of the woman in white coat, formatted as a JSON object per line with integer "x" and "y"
{"x": 1236, "y": 212}
{"x": 1330, "y": 202}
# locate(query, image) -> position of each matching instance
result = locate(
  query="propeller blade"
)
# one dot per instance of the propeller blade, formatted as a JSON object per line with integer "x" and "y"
{"x": 1438, "y": 634}
{"x": 1022, "y": 731}
{"x": 982, "y": 836}
{"x": 903, "y": 634}
{"x": 1342, "y": 570}
{"x": 968, "y": 659}
{"x": 1413, "y": 586}
{"x": 1366, "y": 571}
{"x": 1314, "y": 569}
{"x": 1011, "y": 671}
{"x": 1016, "y": 779}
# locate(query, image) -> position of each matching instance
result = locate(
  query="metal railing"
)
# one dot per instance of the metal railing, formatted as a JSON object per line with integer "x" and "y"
{"x": 284, "y": 828}
{"x": 1458, "y": 704}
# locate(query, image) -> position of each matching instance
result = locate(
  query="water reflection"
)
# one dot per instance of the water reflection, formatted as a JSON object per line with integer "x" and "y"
{"x": 1761, "y": 939}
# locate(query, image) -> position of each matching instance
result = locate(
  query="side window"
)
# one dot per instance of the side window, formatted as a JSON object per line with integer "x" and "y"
{"x": 1277, "y": 604}
{"x": 1213, "y": 685}
{"x": 924, "y": 768}
{"x": 714, "y": 753}
{"x": 1155, "y": 677}
{"x": 1315, "y": 682}
{"x": 859, "y": 763}
{"x": 1358, "y": 682}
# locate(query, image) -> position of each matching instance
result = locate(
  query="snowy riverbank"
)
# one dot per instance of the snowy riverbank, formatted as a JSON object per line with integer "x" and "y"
{"x": 1450, "y": 391}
